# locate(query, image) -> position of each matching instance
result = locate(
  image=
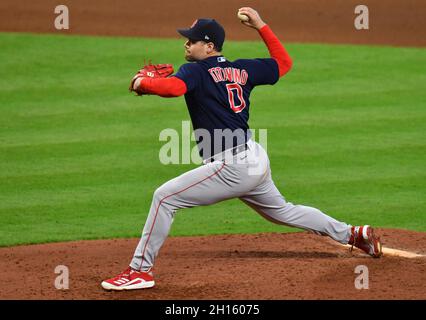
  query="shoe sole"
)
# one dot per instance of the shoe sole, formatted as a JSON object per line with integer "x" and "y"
{"x": 144, "y": 285}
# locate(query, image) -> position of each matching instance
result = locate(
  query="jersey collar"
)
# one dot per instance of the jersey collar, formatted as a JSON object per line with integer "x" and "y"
{"x": 216, "y": 58}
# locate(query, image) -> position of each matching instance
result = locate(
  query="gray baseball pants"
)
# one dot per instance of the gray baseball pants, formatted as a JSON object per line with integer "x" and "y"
{"x": 247, "y": 176}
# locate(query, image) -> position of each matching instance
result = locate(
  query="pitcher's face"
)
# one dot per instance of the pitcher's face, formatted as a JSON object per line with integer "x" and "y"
{"x": 196, "y": 50}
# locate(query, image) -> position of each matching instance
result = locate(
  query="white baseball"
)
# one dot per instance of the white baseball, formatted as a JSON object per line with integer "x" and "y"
{"x": 242, "y": 17}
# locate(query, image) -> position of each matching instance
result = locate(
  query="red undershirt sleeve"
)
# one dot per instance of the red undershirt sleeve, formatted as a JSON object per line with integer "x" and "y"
{"x": 276, "y": 50}
{"x": 163, "y": 87}
{"x": 175, "y": 87}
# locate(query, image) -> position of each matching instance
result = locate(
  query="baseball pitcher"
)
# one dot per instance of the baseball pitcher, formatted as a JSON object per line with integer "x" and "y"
{"x": 217, "y": 94}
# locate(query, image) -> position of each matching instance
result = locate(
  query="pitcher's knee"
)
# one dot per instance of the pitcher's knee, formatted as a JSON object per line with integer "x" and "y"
{"x": 160, "y": 193}
{"x": 165, "y": 194}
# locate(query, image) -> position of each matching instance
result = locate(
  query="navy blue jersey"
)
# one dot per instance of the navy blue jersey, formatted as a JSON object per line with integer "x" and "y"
{"x": 218, "y": 99}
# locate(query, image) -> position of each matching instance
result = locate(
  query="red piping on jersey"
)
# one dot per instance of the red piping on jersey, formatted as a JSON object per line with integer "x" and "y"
{"x": 159, "y": 204}
{"x": 276, "y": 50}
{"x": 164, "y": 87}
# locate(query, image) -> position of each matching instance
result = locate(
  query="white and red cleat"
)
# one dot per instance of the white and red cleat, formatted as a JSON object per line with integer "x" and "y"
{"x": 130, "y": 279}
{"x": 363, "y": 238}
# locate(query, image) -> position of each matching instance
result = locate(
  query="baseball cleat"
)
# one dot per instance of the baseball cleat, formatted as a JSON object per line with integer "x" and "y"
{"x": 363, "y": 238}
{"x": 130, "y": 279}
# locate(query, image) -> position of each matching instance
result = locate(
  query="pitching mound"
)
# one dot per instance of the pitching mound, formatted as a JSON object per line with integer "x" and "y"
{"x": 261, "y": 266}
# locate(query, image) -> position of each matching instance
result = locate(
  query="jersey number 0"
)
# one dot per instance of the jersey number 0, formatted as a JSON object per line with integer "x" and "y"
{"x": 232, "y": 89}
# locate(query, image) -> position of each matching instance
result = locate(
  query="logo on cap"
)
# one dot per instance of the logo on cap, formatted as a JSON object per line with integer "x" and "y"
{"x": 206, "y": 37}
{"x": 194, "y": 23}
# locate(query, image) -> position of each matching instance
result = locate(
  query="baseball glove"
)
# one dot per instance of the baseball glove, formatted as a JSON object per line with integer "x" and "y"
{"x": 151, "y": 71}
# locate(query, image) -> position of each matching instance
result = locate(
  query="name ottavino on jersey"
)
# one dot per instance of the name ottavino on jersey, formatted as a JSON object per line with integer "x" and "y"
{"x": 230, "y": 74}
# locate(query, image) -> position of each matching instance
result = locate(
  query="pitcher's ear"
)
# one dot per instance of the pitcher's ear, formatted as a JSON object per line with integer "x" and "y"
{"x": 210, "y": 47}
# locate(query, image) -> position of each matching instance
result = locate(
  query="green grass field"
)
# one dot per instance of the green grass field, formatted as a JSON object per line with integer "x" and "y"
{"x": 79, "y": 154}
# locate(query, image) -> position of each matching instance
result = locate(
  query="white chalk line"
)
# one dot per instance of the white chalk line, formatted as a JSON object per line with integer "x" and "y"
{"x": 396, "y": 252}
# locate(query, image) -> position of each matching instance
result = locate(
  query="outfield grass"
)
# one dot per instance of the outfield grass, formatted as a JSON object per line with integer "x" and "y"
{"x": 79, "y": 154}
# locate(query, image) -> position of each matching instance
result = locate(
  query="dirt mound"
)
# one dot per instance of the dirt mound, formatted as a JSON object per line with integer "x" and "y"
{"x": 262, "y": 266}
{"x": 391, "y": 22}
{"x": 228, "y": 267}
